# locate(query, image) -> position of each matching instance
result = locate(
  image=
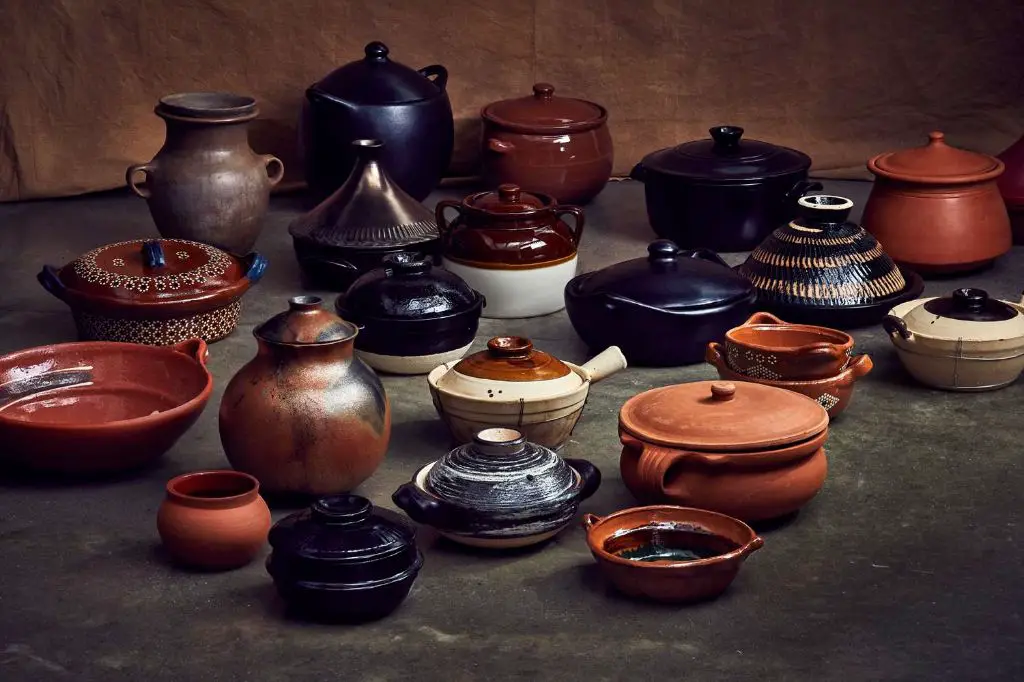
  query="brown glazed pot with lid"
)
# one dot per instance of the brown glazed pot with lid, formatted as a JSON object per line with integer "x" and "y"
{"x": 510, "y": 360}
{"x": 306, "y": 416}
{"x": 743, "y": 449}
{"x": 937, "y": 209}
{"x": 545, "y": 143}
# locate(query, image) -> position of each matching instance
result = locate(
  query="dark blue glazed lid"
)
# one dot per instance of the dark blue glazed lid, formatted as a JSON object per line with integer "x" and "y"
{"x": 376, "y": 79}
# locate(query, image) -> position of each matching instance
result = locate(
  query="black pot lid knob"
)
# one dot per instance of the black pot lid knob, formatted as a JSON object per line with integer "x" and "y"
{"x": 726, "y": 137}
{"x": 376, "y": 51}
{"x": 970, "y": 299}
{"x": 406, "y": 264}
{"x": 342, "y": 510}
{"x": 662, "y": 250}
{"x": 543, "y": 90}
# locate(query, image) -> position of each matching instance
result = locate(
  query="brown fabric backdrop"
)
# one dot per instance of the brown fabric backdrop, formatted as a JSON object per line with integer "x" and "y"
{"x": 839, "y": 79}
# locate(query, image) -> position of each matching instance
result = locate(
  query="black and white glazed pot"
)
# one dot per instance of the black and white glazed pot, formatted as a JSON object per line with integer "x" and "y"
{"x": 500, "y": 491}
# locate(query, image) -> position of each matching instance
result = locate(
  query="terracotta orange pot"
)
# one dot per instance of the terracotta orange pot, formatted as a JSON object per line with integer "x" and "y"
{"x": 213, "y": 519}
{"x": 937, "y": 209}
{"x": 765, "y": 347}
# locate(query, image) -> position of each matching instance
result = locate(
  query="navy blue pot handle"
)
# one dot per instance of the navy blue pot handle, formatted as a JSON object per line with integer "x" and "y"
{"x": 153, "y": 255}
{"x": 705, "y": 254}
{"x": 801, "y": 188}
{"x": 257, "y": 266}
{"x": 590, "y": 474}
{"x": 440, "y": 75}
{"x": 422, "y": 508}
{"x": 49, "y": 277}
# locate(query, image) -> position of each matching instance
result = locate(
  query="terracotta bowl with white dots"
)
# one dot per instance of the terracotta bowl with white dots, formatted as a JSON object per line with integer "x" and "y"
{"x": 765, "y": 347}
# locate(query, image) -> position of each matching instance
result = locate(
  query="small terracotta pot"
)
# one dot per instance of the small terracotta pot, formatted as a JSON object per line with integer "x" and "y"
{"x": 834, "y": 393}
{"x": 723, "y": 541}
{"x": 765, "y": 347}
{"x": 214, "y": 520}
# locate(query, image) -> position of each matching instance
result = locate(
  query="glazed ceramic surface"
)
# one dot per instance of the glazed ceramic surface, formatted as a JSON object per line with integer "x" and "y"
{"x": 1011, "y": 187}
{"x": 514, "y": 247}
{"x": 670, "y": 554}
{"x": 214, "y": 520}
{"x": 743, "y": 449}
{"x": 545, "y": 143}
{"x": 680, "y": 300}
{"x": 966, "y": 341}
{"x": 724, "y": 193}
{"x": 765, "y": 347}
{"x": 937, "y": 209}
{"x": 366, "y": 219}
{"x": 305, "y": 415}
{"x": 833, "y": 392}
{"x": 342, "y": 560}
{"x": 99, "y": 407}
{"x": 412, "y": 316}
{"x": 499, "y": 491}
{"x": 822, "y": 269}
{"x": 379, "y": 98}
{"x": 206, "y": 184}
{"x": 155, "y": 292}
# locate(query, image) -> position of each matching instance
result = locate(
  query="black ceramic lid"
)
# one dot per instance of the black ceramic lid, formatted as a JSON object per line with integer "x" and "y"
{"x": 306, "y": 322}
{"x": 727, "y": 157}
{"x": 669, "y": 278}
{"x": 343, "y": 529}
{"x": 972, "y": 305}
{"x": 407, "y": 287}
{"x": 376, "y": 79}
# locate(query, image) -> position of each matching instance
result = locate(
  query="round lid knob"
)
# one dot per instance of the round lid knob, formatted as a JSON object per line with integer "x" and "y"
{"x": 304, "y": 303}
{"x": 970, "y": 299}
{"x": 723, "y": 390}
{"x": 509, "y": 347}
{"x": 726, "y": 137}
{"x": 543, "y": 90}
{"x": 376, "y": 51}
{"x": 936, "y": 137}
{"x": 509, "y": 193}
{"x": 662, "y": 249}
{"x": 499, "y": 441}
{"x": 406, "y": 264}
{"x": 342, "y": 510}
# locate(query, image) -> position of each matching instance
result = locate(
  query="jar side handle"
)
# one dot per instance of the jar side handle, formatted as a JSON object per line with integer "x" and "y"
{"x": 577, "y": 229}
{"x": 274, "y": 167}
{"x": 444, "y": 226}
{"x": 147, "y": 169}
{"x": 895, "y": 325}
{"x": 652, "y": 469}
{"x": 421, "y": 508}
{"x": 437, "y": 73}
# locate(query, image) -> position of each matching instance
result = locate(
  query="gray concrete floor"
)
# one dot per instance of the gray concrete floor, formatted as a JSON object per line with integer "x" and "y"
{"x": 906, "y": 567}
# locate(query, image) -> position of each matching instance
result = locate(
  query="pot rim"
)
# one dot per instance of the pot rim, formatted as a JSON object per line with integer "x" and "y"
{"x": 174, "y": 107}
{"x": 527, "y": 129}
{"x": 933, "y": 180}
{"x": 697, "y": 180}
{"x": 250, "y": 492}
{"x": 435, "y": 375}
{"x": 838, "y": 337}
{"x": 753, "y": 543}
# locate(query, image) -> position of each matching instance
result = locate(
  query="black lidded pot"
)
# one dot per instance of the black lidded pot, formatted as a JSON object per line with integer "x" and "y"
{"x": 340, "y": 560}
{"x": 412, "y": 315}
{"x": 725, "y": 193}
{"x": 662, "y": 310}
{"x": 377, "y": 98}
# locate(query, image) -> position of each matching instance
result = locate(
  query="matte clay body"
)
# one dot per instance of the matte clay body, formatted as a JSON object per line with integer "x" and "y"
{"x": 765, "y": 347}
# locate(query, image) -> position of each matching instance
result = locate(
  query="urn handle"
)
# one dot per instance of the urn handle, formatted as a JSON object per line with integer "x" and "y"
{"x": 49, "y": 277}
{"x": 436, "y": 73}
{"x": 589, "y": 474}
{"x": 153, "y": 254}
{"x": 257, "y": 266}
{"x": 147, "y": 170}
{"x": 444, "y": 227}
{"x": 896, "y": 326}
{"x": 578, "y": 220}
{"x": 274, "y": 166}
{"x": 422, "y": 508}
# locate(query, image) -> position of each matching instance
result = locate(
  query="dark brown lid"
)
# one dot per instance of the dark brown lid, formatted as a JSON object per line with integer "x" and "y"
{"x": 509, "y": 199}
{"x": 376, "y": 79}
{"x": 512, "y": 358}
{"x": 543, "y": 112}
{"x": 306, "y": 322}
{"x": 717, "y": 416}
{"x": 936, "y": 163}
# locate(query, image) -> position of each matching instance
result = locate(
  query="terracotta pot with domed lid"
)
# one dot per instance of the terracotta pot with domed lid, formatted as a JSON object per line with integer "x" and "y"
{"x": 937, "y": 209}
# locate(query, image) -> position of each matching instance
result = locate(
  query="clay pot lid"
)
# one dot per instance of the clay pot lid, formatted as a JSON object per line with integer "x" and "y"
{"x": 509, "y": 199}
{"x": 512, "y": 358}
{"x": 306, "y": 323}
{"x": 668, "y": 278}
{"x": 500, "y": 472}
{"x": 717, "y": 416}
{"x": 727, "y": 158}
{"x": 209, "y": 106}
{"x": 967, "y": 313}
{"x": 153, "y": 271}
{"x": 936, "y": 163}
{"x": 376, "y": 79}
{"x": 342, "y": 529}
{"x": 1011, "y": 182}
{"x": 407, "y": 287}
{"x": 545, "y": 112}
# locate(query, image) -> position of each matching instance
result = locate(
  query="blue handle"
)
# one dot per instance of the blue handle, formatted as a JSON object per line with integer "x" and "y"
{"x": 256, "y": 268}
{"x": 49, "y": 277}
{"x": 153, "y": 255}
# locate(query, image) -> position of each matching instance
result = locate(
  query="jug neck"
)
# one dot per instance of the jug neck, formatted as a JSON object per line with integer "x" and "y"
{"x": 189, "y": 134}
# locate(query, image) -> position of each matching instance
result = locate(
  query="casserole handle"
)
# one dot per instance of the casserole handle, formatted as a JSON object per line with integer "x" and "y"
{"x": 895, "y": 325}
{"x": 438, "y": 73}
{"x": 713, "y": 355}
{"x": 257, "y": 266}
{"x": 590, "y": 520}
{"x": 194, "y": 348}
{"x": 704, "y": 254}
{"x": 752, "y": 546}
{"x": 651, "y": 470}
{"x": 604, "y": 364}
{"x": 589, "y": 474}
{"x": 762, "y": 318}
{"x": 49, "y": 277}
{"x": 422, "y": 508}
{"x": 500, "y": 146}
{"x": 577, "y": 228}
{"x": 858, "y": 367}
{"x": 801, "y": 188}
{"x": 444, "y": 227}
{"x": 129, "y": 177}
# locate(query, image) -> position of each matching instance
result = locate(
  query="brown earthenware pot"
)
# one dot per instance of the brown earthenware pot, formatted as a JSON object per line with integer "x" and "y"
{"x": 750, "y": 451}
{"x": 765, "y": 347}
{"x": 937, "y": 209}
{"x": 558, "y": 146}
{"x": 206, "y": 184}
{"x": 1011, "y": 186}
{"x": 214, "y": 520}
{"x": 306, "y": 416}
{"x": 668, "y": 553}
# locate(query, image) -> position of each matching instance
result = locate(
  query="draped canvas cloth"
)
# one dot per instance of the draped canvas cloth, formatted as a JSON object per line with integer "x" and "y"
{"x": 838, "y": 79}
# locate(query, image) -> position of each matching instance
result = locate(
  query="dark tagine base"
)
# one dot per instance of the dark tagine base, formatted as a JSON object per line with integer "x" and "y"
{"x": 327, "y": 604}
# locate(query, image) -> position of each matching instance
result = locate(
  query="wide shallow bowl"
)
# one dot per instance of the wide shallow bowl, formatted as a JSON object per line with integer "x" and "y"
{"x": 668, "y": 553}
{"x": 765, "y": 347}
{"x": 834, "y": 393}
{"x": 99, "y": 406}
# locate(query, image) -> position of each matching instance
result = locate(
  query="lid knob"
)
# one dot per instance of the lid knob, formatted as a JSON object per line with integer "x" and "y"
{"x": 662, "y": 250}
{"x": 406, "y": 264}
{"x": 726, "y": 137}
{"x": 723, "y": 390}
{"x": 153, "y": 254}
{"x": 543, "y": 90}
{"x": 376, "y": 51}
{"x": 304, "y": 303}
{"x": 936, "y": 137}
{"x": 970, "y": 299}
{"x": 509, "y": 347}
{"x": 367, "y": 149}
{"x": 499, "y": 441}
{"x": 342, "y": 510}
{"x": 509, "y": 193}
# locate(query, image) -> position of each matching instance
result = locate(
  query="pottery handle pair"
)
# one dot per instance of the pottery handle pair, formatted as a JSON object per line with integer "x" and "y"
{"x": 604, "y": 364}
{"x": 444, "y": 227}
{"x": 147, "y": 169}
{"x": 647, "y": 470}
{"x": 577, "y": 229}
{"x": 858, "y": 367}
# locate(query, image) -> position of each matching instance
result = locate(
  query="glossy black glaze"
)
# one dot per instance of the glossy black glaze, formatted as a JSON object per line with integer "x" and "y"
{"x": 663, "y": 310}
{"x": 339, "y": 560}
{"x": 409, "y": 307}
{"x": 725, "y": 193}
{"x": 365, "y": 220}
{"x": 376, "y": 97}
{"x": 498, "y": 489}
{"x": 973, "y": 305}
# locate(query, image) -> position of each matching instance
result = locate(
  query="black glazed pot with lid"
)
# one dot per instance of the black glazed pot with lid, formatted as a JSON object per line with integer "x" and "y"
{"x": 340, "y": 559}
{"x": 413, "y": 316}
{"x": 499, "y": 491}
{"x": 661, "y": 310}
{"x": 725, "y": 193}
{"x": 377, "y": 97}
